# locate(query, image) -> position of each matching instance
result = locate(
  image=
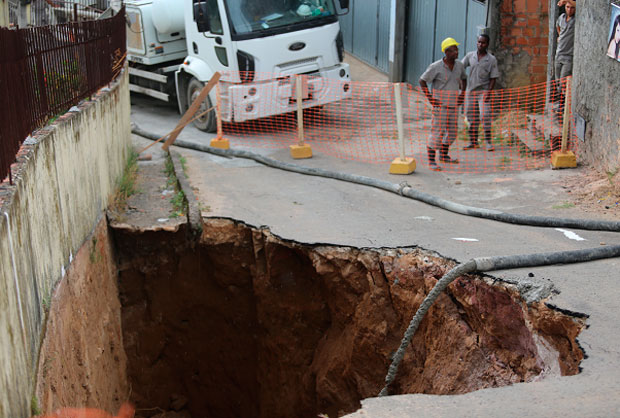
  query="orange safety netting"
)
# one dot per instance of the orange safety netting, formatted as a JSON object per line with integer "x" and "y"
{"x": 357, "y": 121}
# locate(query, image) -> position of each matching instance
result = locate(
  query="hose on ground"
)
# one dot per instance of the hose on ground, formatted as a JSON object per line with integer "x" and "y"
{"x": 402, "y": 189}
{"x": 488, "y": 264}
{"x": 480, "y": 264}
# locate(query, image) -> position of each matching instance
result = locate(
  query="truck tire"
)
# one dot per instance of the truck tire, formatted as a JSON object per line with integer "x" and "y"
{"x": 208, "y": 122}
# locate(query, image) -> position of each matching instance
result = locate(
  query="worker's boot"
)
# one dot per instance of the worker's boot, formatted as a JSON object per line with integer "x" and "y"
{"x": 473, "y": 138}
{"x": 444, "y": 157}
{"x": 487, "y": 135}
{"x": 431, "y": 159}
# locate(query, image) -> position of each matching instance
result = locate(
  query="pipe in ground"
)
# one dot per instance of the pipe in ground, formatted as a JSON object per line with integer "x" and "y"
{"x": 488, "y": 264}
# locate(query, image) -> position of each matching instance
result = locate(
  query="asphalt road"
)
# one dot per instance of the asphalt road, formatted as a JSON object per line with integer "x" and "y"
{"x": 318, "y": 210}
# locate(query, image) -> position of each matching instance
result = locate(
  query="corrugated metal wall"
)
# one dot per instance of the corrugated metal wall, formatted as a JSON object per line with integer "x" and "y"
{"x": 366, "y": 30}
{"x": 431, "y": 21}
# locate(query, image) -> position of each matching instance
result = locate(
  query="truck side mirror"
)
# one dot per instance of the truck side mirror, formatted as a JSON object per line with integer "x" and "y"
{"x": 200, "y": 16}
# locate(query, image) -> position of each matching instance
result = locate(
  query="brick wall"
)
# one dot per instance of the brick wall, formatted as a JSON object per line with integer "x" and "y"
{"x": 522, "y": 43}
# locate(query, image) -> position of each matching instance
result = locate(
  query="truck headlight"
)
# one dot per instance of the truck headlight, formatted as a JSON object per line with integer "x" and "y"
{"x": 246, "y": 66}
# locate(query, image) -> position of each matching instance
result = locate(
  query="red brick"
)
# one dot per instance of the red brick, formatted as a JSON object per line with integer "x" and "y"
{"x": 533, "y": 41}
{"x": 506, "y": 6}
{"x": 529, "y": 32}
{"x": 533, "y": 5}
{"x": 519, "y": 5}
{"x": 539, "y": 69}
{"x": 521, "y": 41}
{"x": 533, "y": 22}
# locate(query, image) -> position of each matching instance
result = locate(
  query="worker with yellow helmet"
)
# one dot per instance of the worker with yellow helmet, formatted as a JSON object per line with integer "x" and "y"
{"x": 447, "y": 79}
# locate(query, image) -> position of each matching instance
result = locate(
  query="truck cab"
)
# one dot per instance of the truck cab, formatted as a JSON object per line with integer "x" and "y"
{"x": 259, "y": 46}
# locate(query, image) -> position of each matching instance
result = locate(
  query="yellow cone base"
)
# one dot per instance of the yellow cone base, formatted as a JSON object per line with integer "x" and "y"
{"x": 561, "y": 159}
{"x": 221, "y": 143}
{"x": 301, "y": 151}
{"x": 406, "y": 166}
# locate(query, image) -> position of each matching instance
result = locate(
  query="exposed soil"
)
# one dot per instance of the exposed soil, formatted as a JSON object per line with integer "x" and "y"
{"x": 238, "y": 322}
{"x": 245, "y": 324}
{"x": 82, "y": 361}
{"x": 594, "y": 192}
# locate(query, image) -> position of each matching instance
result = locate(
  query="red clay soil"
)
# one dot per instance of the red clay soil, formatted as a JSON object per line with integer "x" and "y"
{"x": 82, "y": 362}
{"x": 243, "y": 324}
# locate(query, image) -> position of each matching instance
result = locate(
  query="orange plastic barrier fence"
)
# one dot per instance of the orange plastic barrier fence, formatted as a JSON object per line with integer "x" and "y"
{"x": 357, "y": 121}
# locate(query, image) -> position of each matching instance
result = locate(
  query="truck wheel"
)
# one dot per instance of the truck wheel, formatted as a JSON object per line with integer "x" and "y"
{"x": 207, "y": 122}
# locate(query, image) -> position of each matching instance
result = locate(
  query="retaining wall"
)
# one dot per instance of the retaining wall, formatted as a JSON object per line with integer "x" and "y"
{"x": 62, "y": 182}
{"x": 596, "y": 82}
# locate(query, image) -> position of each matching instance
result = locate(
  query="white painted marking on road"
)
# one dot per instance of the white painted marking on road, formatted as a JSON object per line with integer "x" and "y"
{"x": 570, "y": 234}
{"x": 424, "y": 218}
{"x": 466, "y": 239}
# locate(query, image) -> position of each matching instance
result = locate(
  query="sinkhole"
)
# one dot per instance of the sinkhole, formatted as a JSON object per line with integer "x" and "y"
{"x": 240, "y": 323}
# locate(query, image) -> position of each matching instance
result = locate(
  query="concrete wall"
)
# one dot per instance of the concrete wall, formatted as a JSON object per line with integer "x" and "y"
{"x": 62, "y": 184}
{"x": 596, "y": 83}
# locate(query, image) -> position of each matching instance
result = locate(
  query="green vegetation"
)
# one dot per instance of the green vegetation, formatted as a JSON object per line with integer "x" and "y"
{"x": 503, "y": 163}
{"x": 565, "y": 205}
{"x": 178, "y": 201}
{"x": 183, "y": 161}
{"x": 34, "y": 406}
{"x": 127, "y": 184}
{"x": 178, "y": 204}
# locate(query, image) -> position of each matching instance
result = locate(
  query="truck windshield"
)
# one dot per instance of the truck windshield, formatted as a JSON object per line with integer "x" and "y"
{"x": 255, "y": 18}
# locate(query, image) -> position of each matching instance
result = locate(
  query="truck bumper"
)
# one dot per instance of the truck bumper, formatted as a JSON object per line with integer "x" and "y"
{"x": 241, "y": 102}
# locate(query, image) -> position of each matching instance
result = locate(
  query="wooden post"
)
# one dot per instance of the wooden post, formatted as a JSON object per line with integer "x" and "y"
{"x": 300, "y": 110}
{"x": 565, "y": 158}
{"x": 401, "y": 165}
{"x": 399, "y": 120}
{"x": 219, "y": 141}
{"x": 566, "y": 119}
{"x": 191, "y": 111}
{"x": 301, "y": 150}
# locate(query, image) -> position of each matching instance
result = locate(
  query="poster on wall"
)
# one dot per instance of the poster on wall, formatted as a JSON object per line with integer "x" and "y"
{"x": 613, "y": 44}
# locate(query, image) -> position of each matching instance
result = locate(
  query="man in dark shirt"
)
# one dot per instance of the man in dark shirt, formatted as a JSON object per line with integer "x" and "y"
{"x": 565, "y": 26}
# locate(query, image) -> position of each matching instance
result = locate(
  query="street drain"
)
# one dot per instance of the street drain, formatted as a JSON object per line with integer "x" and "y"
{"x": 243, "y": 324}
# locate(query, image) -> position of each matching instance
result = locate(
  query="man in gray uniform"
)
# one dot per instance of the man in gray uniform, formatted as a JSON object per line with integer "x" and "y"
{"x": 565, "y": 26}
{"x": 482, "y": 77}
{"x": 447, "y": 77}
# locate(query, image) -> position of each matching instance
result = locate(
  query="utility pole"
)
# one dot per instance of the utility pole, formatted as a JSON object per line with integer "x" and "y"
{"x": 4, "y": 13}
{"x": 398, "y": 9}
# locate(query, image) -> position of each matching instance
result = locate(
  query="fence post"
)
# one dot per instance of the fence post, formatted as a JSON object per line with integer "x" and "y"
{"x": 219, "y": 141}
{"x": 301, "y": 150}
{"x": 565, "y": 158}
{"x": 401, "y": 165}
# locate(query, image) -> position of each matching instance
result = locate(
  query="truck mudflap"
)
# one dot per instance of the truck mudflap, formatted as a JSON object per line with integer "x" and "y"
{"x": 242, "y": 102}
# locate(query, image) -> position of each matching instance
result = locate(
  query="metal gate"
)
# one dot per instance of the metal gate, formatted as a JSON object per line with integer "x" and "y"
{"x": 431, "y": 21}
{"x": 366, "y": 30}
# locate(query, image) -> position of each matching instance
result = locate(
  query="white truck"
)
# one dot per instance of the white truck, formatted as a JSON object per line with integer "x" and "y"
{"x": 175, "y": 46}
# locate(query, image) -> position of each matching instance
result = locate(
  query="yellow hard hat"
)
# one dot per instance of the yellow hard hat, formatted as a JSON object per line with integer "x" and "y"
{"x": 447, "y": 43}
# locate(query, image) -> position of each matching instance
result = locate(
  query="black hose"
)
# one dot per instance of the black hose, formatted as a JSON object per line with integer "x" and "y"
{"x": 402, "y": 189}
{"x": 477, "y": 264}
{"x": 488, "y": 264}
